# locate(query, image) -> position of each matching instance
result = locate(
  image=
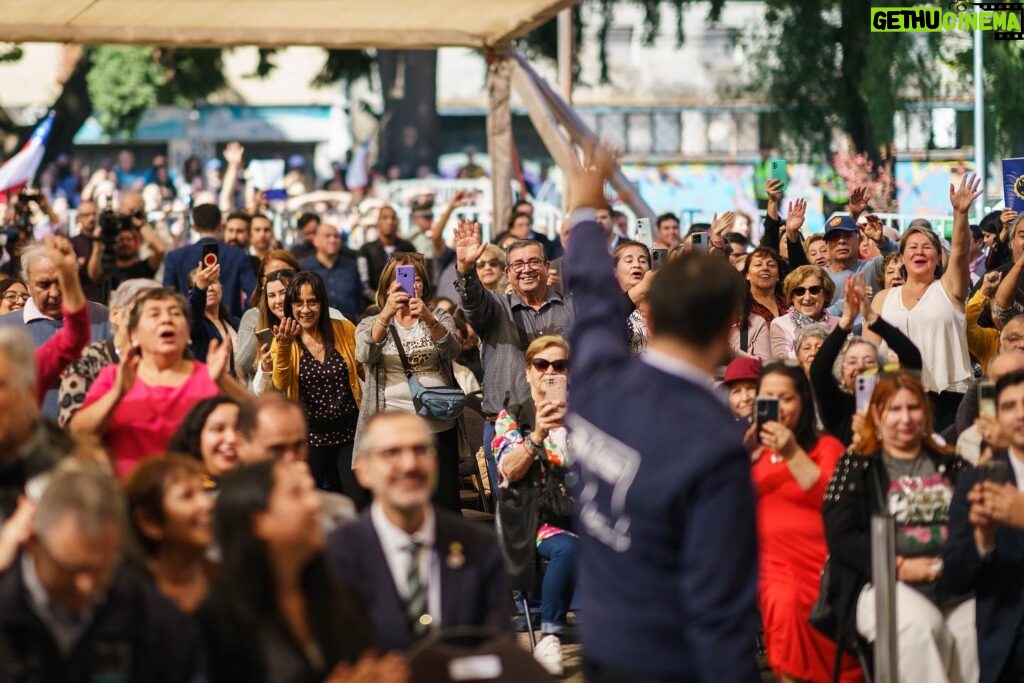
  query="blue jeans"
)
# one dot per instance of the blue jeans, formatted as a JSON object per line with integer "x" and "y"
{"x": 559, "y": 580}
{"x": 492, "y": 466}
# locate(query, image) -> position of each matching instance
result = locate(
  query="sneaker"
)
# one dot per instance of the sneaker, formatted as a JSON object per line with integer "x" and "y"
{"x": 549, "y": 653}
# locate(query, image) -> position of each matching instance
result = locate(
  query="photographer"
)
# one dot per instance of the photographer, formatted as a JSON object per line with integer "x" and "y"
{"x": 89, "y": 251}
{"x": 29, "y": 216}
{"x": 121, "y": 235}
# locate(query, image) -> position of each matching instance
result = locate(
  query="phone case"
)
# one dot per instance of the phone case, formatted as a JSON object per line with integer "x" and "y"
{"x": 406, "y": 278}
{"x": 778, "y": 171}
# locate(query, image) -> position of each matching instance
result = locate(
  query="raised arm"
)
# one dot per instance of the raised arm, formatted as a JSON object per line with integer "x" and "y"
{"x": 831, "y": 400}
{"x": 1003, "y": 306}
{"x": 794, "y": 222}
{"x": 281, "y": 350}
{"x": 772, "y": 220}
{"x": 66, "y": 345}
{"x": 474, "y": 299}
{"x": 957, "y": 278}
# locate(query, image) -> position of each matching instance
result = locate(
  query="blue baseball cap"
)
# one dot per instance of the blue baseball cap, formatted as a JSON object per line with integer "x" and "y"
{"x": 841, "y": 224}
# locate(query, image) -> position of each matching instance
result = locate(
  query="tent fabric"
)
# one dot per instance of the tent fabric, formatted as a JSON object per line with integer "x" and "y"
{"x": 386, "y": 24}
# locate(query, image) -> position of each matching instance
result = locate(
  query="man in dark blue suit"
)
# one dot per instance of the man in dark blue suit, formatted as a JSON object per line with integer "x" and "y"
{"x": 668, "y": 565}
{"x": 985, "y": 552}
{"x": 416, "y": 567}
{"x": 236, "y": 276}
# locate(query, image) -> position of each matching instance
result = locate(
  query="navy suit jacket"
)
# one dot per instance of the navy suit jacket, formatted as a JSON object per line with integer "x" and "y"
{"x": 997, "y": 580}
{"x": 236, "y": 276}
{"x": 665, "y": 514}
{"x": 473, "y": 593}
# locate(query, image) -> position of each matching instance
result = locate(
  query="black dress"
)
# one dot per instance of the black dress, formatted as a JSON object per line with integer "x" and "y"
{"x": 332, "y": 412}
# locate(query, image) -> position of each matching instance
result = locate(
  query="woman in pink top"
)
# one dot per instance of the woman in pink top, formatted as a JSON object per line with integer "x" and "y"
{"x": 136, "y": 406}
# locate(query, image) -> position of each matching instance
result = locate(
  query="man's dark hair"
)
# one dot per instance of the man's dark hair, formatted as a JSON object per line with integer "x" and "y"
{"x": 1006, "y": 381}
{"x": 239, "y": 216}
{"x": 518, "y": 204}
{"x": 206, "y": 218}
{"x": 523, "y": 244}
{"x": 737, "y": 238}
{"x": 975, "y": 232}
{"x": 698, "y": 227}
{"x": 696, "y": 298}
{"x": 307, "y": 218}
{"x": 666, "y": 217}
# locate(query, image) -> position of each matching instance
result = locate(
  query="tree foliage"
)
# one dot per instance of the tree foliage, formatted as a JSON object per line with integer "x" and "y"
{"x": 1004, "y": 103}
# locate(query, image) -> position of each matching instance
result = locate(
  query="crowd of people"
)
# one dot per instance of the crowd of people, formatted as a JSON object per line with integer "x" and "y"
{"x": 242, "y": 459}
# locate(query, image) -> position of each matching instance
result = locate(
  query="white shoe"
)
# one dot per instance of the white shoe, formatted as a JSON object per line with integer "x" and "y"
{"x": 549, "y": 653}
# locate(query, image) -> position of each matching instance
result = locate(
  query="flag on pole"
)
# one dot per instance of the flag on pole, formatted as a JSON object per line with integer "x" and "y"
{"x": 19, "y": 170}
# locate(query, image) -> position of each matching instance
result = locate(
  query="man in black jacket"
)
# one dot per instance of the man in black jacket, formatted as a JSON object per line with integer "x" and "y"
{"x": 376, "y": 254}
{"x": 70, "y": 611}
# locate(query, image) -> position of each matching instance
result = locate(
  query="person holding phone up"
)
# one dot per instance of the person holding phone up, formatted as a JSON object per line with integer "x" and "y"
{"x": 530, "y": 442}
{"x": 792, "y": 466}
{"x": 985, "y": 552}
{"x": 429, "y": 343}
{"x": 211, "y": 318}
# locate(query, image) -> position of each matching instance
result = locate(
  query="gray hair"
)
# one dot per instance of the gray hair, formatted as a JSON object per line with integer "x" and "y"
{"x": 129, "y": 289}
{"x": 837, "y": 368}
{"x": 807, "y": 332}
{"x": 17, "y": 344}
{"x": 84, "y": 491}
{"x": 30, "y": 254}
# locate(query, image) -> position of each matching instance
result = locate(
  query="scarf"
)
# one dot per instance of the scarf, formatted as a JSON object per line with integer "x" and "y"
{"x": 801, "y": 320}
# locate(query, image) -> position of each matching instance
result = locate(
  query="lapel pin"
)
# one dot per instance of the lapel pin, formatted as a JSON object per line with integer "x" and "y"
{"x": 456, "y": 558}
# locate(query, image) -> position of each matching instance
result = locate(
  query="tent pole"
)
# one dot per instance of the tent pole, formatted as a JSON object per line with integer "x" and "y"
{"x": 499, "y": 135}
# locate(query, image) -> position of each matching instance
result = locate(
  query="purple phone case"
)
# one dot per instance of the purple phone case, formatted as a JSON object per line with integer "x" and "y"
{"x": 406, "y": 278}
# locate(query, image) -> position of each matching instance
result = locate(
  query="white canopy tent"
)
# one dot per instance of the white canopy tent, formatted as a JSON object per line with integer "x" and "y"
{"x": 389, "y": 24}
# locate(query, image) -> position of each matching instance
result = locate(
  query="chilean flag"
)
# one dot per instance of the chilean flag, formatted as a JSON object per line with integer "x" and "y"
{"x": 19, "y": 170}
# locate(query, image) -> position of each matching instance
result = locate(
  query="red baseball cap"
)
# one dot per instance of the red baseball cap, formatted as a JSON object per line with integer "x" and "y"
{"x": 741, "y": 369}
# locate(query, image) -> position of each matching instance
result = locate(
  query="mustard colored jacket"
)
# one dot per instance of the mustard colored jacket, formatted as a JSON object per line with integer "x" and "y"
{"x": 286, "y": 361}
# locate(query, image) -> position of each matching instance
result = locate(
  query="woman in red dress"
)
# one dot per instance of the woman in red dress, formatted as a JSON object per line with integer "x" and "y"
{"x": 792, "y": 467}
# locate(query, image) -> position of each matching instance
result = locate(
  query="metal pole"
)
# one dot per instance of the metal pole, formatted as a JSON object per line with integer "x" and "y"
{"x": 565, "y": 46}
{"x": 883, "y": 578}
{"x": 979, "y": 120}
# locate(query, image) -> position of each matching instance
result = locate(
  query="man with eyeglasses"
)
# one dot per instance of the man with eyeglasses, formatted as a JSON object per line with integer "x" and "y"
{"x": 338, "y": 266}
{"x": 70, "y": 610}
{"x": 418, "y": 568}
{"x": 507, "y": 322}
{"x": 975, "y": 431}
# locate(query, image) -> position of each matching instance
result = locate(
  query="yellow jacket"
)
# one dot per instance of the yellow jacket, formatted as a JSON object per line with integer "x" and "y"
{"x": 982, "y": 342}
{"x": 286, "y": 361}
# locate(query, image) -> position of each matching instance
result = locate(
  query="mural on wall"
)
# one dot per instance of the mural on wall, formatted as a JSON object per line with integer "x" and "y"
{"x": 695, "y": 191}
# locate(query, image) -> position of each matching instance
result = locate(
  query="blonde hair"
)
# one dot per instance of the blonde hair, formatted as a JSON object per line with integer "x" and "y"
{"x": 800, "y": 274}
{"x": 545, "y": 342}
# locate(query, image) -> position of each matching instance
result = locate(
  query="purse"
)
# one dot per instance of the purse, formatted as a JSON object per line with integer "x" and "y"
{"x": 439, "y": 403}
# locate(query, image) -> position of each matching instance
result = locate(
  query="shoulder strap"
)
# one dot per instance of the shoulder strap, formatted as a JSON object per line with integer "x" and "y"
{"x": 401, "y": 352}
{"x": 745, "y": 335}
{"x": 517, "y": 318}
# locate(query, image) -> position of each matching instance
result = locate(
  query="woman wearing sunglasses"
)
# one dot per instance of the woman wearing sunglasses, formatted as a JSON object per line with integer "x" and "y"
{"x": 528, "y": 439}
{"x": 490, "y": 268}
{"x": 430, "y": 343}
{"x": 808, "y": 291}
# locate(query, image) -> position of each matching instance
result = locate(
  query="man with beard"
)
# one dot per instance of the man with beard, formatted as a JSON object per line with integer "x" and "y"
{"x": 127, "y": 263}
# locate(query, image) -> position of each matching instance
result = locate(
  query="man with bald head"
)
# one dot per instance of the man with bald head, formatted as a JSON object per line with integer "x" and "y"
{"x": 417, "y": 568}
{"x": 338, "y": 266}
{"x": 89, "y": 251}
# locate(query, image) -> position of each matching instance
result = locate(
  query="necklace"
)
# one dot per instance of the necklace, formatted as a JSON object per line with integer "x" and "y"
{"x": 314, "y": 346}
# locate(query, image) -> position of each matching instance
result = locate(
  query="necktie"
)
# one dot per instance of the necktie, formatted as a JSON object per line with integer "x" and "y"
{"x": 416, "y": 595}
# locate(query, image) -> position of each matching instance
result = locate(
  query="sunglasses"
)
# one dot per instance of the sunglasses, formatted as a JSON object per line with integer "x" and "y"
{"x": 493, "y": 263}
{"x": 541, "y": 365}
{"x": 815, "y": 290}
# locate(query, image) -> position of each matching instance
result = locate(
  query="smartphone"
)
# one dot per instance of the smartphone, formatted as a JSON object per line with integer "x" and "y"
{"x": 659, "y": 257}
{"x": 265, "y": 336}
{"x": 699, "y": 241}
{"x": 643, "y": 232}
{"x": 406, "y": 278}
{"x": 766, "y": 410}
{"x": 865, "y": 387}
{"x": 777, "y": 170}
{"x": 555, "y": 388}
{"x": 211, "y": 252}
{"x": 995, "y": 471}
{"x": 987, "y": 398}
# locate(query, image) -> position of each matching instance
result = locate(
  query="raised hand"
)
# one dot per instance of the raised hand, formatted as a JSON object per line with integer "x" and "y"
{"x": 1007, "y": 217}
{"x": 62, "y": 253}
{"x": 773, "y": 186}
{"x": 585, "y": 184}
{"x": 720, "y": 225}
{"x": 207, "y": 275}
{"x": 962, "y": 197}
{"x": 287, "y": 331}
{"x": 233, "y": 154}
{"x": 397, "y": 298}
{"x": 990, "y": 283}
{"x": 468, "y": 246}
{"x": 128, "y": 369}
{"x": 795, "y": 217}
{"x": 852, "y": 300}
{"x": 859, "y": 197}
{"x": 873, "y": 228}
{"x": 217, "y": 357}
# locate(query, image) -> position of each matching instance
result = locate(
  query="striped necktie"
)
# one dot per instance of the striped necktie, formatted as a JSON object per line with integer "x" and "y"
{"x": 416, "y": 595}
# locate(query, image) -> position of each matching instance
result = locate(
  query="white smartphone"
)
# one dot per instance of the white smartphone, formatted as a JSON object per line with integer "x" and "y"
{"x": 643, "y": 232}
{"x": 987, "y": 398}
{"x": 865, "y": 387}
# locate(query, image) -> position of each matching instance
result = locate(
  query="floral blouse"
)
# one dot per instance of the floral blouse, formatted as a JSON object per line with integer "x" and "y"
{"x": 507, "y": 438}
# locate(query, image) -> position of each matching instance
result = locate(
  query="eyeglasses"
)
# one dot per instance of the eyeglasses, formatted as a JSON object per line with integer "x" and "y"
{"x": 1014, "y": 339}
{"x": 542, "y": 365}
{"x": 815, "y": 290}
{"x": 311, "y": 305}
{"x": 493, "y": 263}
{"x": 14, "y": 297}
{"x": 520, "y": 266}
